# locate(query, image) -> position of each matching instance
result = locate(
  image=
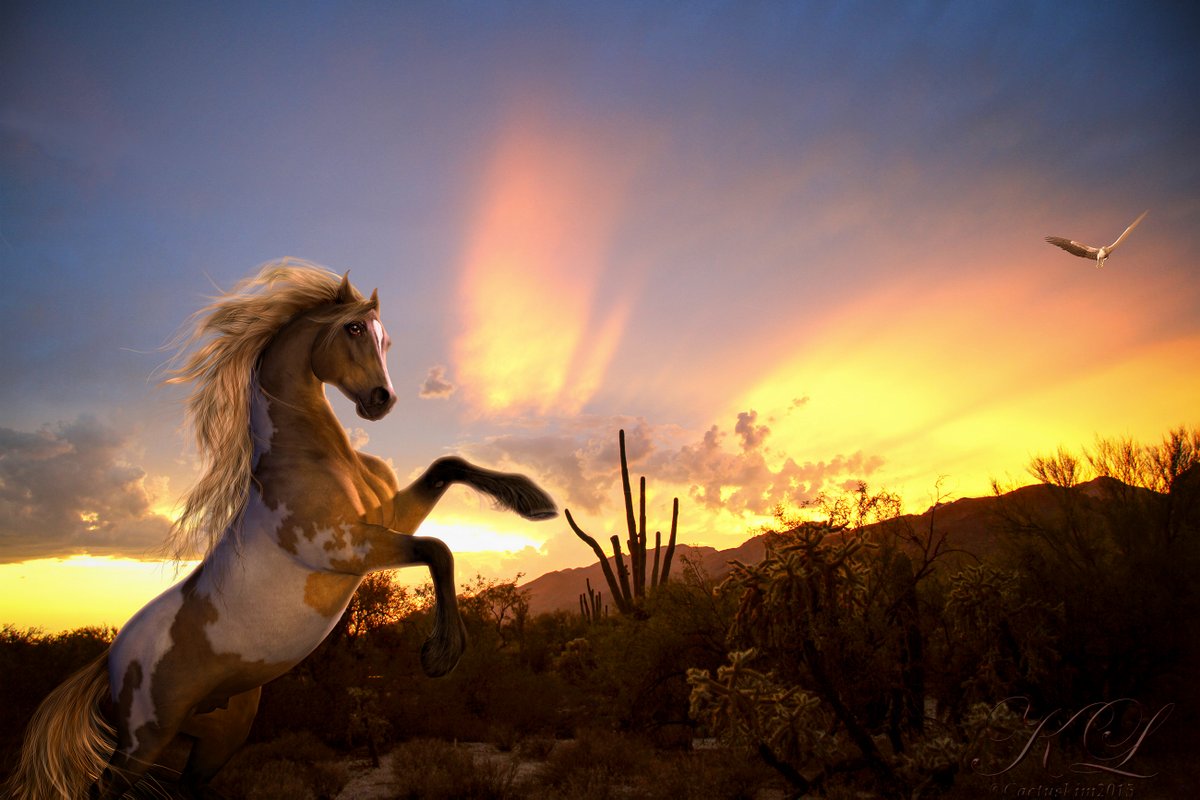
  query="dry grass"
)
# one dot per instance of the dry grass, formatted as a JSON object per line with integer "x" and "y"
{"x": 428, "y": 769}
{"x": 293, "y": 767}
{"x": 595, "y": 766}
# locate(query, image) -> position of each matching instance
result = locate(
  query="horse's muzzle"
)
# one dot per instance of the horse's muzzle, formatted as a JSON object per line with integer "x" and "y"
{"x": 377, "y": 404}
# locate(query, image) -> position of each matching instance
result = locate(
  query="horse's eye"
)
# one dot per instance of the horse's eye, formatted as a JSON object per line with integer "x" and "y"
{"x": 356, "y": 329}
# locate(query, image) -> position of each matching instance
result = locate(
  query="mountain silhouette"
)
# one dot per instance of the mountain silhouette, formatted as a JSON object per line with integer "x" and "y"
{"x": 972, "y": 527}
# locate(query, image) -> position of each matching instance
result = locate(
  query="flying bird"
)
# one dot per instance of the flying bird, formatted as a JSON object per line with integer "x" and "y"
{"x": 1087, "y": 251}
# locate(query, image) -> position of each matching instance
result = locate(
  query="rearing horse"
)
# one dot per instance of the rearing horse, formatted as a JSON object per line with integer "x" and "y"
{"x": 292, "y": 518}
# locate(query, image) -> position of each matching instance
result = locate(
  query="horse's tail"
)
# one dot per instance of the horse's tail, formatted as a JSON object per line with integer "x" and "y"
{"x": 68, "y": 741}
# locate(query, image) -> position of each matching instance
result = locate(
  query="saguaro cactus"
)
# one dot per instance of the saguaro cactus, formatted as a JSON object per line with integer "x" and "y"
{"x": 628, "y": 585}
{"x": 591, "y": 606}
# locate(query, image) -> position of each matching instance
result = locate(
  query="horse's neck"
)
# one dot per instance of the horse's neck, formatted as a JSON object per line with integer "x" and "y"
{"x": 295, "y": 411}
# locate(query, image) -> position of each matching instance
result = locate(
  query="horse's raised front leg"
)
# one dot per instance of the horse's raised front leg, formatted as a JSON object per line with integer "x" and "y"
{"x": 388, "y": 549}
{"x": 410, "y": 507}
{"x": 510, "y": 491}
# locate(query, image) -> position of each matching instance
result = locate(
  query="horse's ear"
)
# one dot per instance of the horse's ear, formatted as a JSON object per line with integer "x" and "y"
{"x": 374, "y": 301}
{"x": 345, "y": 293}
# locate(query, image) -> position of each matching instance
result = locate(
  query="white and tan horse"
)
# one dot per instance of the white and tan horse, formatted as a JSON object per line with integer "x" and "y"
{"x": 291, "y": 517}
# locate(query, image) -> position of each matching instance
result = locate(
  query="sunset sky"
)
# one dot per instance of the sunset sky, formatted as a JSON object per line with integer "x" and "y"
{"x": 785, "y": 246}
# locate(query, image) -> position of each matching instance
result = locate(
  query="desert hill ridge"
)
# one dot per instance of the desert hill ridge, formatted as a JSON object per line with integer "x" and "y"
{"x": 971, "y": 524}
{"x": 560, "y": 590}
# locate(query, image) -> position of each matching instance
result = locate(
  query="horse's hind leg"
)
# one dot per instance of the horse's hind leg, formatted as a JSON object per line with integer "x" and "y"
{"x": 125, "y": 768}
{"x": 116, "y": 779}
{"x": 140, "y": 744}
{"x": 218, "y": 735}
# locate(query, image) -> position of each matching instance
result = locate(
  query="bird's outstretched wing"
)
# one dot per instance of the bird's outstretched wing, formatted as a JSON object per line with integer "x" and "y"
{"x": 1073, "y": 247}
{"x": 1132, "y": 225}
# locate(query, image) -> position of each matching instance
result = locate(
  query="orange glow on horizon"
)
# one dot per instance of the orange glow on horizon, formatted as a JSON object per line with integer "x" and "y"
{"x": 970, "y": 391}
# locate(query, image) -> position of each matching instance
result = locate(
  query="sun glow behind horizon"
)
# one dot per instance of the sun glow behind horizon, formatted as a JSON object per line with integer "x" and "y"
{"x": 962, "y": 375}
{"x": 56, "y": 594}
{"x": 496, "y": 533}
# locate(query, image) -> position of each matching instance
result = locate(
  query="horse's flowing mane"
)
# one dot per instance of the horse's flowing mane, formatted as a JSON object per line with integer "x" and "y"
{"x": 217, "y": 351}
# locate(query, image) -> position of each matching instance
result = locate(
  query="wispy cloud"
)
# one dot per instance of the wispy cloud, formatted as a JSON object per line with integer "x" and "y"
{"x": 538, "y": 329}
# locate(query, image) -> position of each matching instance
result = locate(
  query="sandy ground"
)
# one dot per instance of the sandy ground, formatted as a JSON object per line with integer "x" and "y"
{"x": 367, "y": 783}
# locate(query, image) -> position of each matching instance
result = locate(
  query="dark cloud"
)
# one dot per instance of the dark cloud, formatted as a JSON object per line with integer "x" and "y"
{"x": 68, "y": 489}
{"x": 436, "y": 386}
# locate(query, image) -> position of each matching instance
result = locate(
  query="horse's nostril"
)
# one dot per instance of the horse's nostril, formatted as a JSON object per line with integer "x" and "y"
{"x": 380, "y": 396}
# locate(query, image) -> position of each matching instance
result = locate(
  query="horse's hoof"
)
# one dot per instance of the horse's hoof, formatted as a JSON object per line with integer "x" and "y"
{"x": 438, "y": 658}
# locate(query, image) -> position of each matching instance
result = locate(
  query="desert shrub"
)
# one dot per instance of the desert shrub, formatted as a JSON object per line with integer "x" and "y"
{"x": 296, "y": 702}
{"x": 631, "y": 672}
{"x": 828, "y": 681}
{"x": 729, "y": 774}
{"x": 544, "y": 637}
{"x": 535, "y": 748}
{"x": 490, "y": 696}
{"x": 593, "y": 764}
{"x": 504, "y": 736}
{"x": 525, "y": 701}
{"x": 295, "y": 766}
{"x": 427, "y": 769}
{"x": 1118, "y": 556}
{"x": 601, "y": 764}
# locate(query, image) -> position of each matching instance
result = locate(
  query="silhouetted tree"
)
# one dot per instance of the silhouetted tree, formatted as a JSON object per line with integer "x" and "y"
{"x": 1112, "y": 541}
{"x": 500, "y": 605}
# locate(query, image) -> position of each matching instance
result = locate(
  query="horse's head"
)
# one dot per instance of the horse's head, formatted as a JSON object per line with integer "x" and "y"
{"x": 351, "y": 354}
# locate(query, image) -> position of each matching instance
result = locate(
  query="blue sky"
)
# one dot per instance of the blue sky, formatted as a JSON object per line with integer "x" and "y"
{"x": 827, "y": 218}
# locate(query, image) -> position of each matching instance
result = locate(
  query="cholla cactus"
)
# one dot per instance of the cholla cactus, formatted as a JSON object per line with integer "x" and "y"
{"x": 993, "y": 730}
{"x": 747, "y": 707}
{"x": 1012, "y": 633}
{"x": 825, "y": 678}
{"x": 816, "y": 576}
